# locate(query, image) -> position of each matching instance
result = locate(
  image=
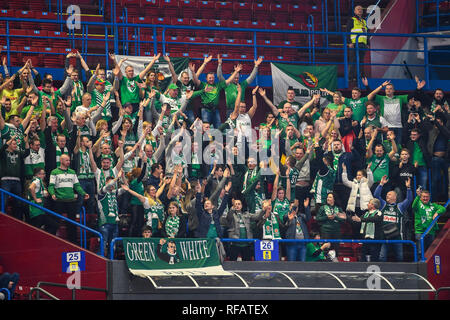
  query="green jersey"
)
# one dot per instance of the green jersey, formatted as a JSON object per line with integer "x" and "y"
{"x": 97, "y": 100}
{"x": 358, "y": 107}
{"x": 417, "y": 155}
{"x": 380, "y": 167}
{"x": 312, "y": 254}
{"x": 63, "y": 183}
{"x": 129, "y": 90}
{"x": 281, "y": 207}
{"x": 390, "y": 109}
{"x": 323, "y": 184}
{"x": 34, "y": 160}
{"x": 231, "y": 94}
{"x": 339, "y": 109}
{"x": 39, "y": 191}
{"x": 423, "y": 215}
{"x": 210, "y": 99}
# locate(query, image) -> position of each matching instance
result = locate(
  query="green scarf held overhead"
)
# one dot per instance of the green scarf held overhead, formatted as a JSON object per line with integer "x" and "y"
{"x": 271, "y": 228}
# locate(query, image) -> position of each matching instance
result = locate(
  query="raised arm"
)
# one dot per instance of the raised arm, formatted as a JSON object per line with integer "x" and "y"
{"x": 372, "y": 95}
{"x": 303, "y": 109}
{"x": 149, "y": 66}
{"x": 254, "y": 106}
{"x": 219, "y": 68}
{"x": 203, "y": 66}
{"x": 171, "y": 69}
{"x": 274, "y": 109}
{"x": 237, "y": 69}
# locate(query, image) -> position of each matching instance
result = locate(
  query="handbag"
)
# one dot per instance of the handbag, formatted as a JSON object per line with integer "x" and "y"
{"x": 391, "y": 231}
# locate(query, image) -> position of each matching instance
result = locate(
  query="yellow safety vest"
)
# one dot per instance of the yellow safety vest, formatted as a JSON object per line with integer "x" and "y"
{"x": 359, "y": 26}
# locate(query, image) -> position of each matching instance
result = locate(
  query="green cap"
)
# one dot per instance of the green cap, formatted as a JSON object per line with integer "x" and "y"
{"x": 173, "y": 86}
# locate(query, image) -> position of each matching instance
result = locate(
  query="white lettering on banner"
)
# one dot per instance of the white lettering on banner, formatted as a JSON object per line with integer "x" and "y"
{"x": 194, "y": 250}
{"x": 143, "y": 251}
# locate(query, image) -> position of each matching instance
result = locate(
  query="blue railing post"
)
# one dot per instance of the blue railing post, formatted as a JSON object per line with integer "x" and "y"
{"x": 417, "y": 16}
{"x": 426, "y": 62}
{"x": 8, "y": 45}
{"x": 111, "y": 247}
{"x": 2, "y": 197}
{"x": 346, "y": 65}
{"x": 163, "y": 41}
{"x": 422, "y": 237}
{"x": 106, "y": 48}
{"x": 358, "y": 69}
{"x": 438, "y": 20}
{"x": 155, "y": 42}
{"x": 8, "y": 293}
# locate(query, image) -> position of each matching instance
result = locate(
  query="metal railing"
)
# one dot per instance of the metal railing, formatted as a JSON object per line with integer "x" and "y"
{"x": 427, "y": 231}
{"x": 413, "y": 244}
{"x": 7, "y": 292}
{"x": 435, "y": 17}
{"x": 47, "y": 211}
{"x": 61, "y": 285}
{"x": 121, "y": 38}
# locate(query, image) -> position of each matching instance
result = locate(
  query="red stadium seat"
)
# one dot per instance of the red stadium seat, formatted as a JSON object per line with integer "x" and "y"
{"x": 242, "y": 10}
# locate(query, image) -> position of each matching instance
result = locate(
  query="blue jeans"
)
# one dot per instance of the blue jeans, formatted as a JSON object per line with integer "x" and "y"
{"x": 398, "y": 135}
{"x": 427, "y": 241}
{"x": 296, "y": 251}
{"x": 439, "y": 177}
{"x": 398, "y": 249}
{"x": 109, "y": 231}
{"x": 14, "y": 187}
{"x": 88, "y": 186}
{"x": 190, "y": 114}
{"x": 212, "y": 117}
{"x": 421, "y": 177}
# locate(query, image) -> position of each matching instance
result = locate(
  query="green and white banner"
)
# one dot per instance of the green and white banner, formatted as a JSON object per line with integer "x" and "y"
{"x": 305, "y": 80}
{"x": 161, "y": 67}
{"x": 172, "y": 257}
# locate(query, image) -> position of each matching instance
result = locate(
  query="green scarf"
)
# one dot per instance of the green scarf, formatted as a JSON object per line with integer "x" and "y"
{"x": 172, "y": 226}
{"x": 271, "y": 228}
{"x": 368, "y": 228}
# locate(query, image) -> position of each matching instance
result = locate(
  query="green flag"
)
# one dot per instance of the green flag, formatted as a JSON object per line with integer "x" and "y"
{"x": 305, "y": 80}
{"x": 172, "y": 257}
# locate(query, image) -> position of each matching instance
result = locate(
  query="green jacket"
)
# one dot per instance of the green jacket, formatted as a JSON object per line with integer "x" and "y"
{"x": 423, "y": 215}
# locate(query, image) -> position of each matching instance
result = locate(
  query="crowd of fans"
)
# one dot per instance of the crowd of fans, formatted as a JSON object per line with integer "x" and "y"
{"x": 163, "y": 163}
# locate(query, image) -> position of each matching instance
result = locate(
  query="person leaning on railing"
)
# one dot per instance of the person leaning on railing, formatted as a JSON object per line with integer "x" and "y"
{"x": 424, "y": 213}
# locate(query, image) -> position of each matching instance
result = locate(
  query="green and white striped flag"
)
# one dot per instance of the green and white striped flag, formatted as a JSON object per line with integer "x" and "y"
{"x": 305, "y": 80}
